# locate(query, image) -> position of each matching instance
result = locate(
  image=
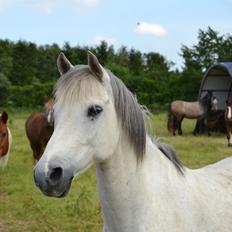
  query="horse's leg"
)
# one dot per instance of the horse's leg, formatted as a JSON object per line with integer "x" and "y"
{"x": 197, "y": 126}
{"x": 201, "y": 126}
{"x": 229, "y": 140}
{"x": 228, "y": 136}
{"x": 179, "y": 126}
{"x": 174, "y": 132}
{"x": 209, "y": 131}
{"x": 174, "y": 125}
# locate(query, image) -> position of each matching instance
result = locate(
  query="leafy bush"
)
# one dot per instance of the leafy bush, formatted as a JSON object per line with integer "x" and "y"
{"x": 30, "y": 95}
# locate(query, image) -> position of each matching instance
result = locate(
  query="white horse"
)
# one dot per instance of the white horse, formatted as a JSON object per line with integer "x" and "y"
{"x": 141, "y": 183}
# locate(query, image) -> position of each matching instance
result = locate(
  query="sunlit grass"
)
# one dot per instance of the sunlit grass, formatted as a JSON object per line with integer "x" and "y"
{"x": 24, "y": 208}
{"x": 194, "y": 151}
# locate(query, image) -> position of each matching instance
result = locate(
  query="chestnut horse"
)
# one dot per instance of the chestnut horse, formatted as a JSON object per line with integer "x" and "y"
{"x": 39, "y": 128}
{"x": 228, "y": 121}
{"x": 5, "y": 140}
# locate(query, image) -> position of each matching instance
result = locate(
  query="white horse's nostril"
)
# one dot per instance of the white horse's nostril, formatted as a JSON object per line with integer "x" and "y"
{"x": 55, "y": 175}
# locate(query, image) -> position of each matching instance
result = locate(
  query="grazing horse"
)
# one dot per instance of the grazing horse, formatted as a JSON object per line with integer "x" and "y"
{"x": 178, "y": 110}
{"x": 142, "y": 185}
{"x": 39, "y": 128}
{"x": 5, "y": 140}
{"x": 228, "y": 120}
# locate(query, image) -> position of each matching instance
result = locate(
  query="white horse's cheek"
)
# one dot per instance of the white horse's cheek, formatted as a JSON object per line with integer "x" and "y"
{"x": 105, "y": 149}
{"x": 73, "y": 153}
{"x": 82, "y": 161}
{"x": 105, "y": 145}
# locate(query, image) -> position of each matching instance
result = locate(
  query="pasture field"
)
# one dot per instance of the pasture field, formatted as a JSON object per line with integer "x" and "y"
{"x": 24, "y": 208}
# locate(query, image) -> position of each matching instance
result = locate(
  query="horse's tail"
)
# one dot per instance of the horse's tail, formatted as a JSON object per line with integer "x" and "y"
{"x": 170, "y": 119}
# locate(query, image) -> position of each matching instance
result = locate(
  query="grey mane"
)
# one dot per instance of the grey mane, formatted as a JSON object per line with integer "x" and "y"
{"x": 131, "y": 115}
{"x": 170, "y": 153}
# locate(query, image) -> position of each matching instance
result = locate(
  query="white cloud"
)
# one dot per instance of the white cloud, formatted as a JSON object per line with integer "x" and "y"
{"x": 86, "y": 4}
{"x": 3, "y": 4}
{"x": 99, "y": 39}
{"x": 90, "y": 3}
{"x": 152, "y": 29}
{"x": 47, "y": 6}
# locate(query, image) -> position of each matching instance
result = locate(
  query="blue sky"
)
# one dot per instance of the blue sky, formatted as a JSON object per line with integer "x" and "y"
{"x": 148, "y": 25}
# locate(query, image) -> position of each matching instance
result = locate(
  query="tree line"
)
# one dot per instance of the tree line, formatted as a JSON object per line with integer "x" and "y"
{"x": 28, "y": 72}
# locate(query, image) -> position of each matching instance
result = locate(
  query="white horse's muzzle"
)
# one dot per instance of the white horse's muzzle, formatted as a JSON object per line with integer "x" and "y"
{"x": 55, "y": 182}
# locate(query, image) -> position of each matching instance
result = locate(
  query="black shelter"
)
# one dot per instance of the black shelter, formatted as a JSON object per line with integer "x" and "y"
{"x": 218, "y": 79}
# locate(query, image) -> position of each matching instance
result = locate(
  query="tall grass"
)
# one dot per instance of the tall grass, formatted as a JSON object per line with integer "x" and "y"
{"x": 24, "y": 208}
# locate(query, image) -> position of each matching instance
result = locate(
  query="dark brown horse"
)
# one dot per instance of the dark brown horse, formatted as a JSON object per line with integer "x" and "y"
{"x": 5, "y": 140}
{"x": 39, "y": 128}
{"x": 228, "y": 121}
{"x": 178, "y": 110}
{"x": 215, "y": 122}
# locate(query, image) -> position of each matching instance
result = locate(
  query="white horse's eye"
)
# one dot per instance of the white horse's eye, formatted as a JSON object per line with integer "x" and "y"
{"x": 94, "y": 110}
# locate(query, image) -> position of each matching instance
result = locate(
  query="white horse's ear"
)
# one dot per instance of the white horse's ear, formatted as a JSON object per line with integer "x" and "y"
{"x": 94, "y": 66}
{"x": 63, "y": 64}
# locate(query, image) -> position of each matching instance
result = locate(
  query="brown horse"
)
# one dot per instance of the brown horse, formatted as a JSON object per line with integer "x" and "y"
{"x": 5, "y": 140}
{"x": 49, "y": 111}
{"x": 215, "y": 121}
{"x": 39, "y": 128}
{"x": 228, "y": 121}
{"x": 178, "y": 110}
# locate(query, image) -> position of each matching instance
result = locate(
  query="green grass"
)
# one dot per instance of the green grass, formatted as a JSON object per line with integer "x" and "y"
{"x": 24, "y": 208}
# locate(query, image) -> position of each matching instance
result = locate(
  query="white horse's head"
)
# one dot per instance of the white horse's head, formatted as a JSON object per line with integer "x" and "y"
{"x": 87, "y": 129}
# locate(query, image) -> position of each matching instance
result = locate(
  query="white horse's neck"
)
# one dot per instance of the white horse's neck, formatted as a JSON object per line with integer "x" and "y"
{"x": 130, "y": 193}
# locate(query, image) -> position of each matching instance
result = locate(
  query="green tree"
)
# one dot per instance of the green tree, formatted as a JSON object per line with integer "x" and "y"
{"x": 46, "y": 69}
{"x": 122, "y": 57}
{"x": 25, "y": 63}
{"x": 211, "y": 48}
{"x": 6, "y": 48}
{"x": 157, "y": 67}
{"x": 135, "y": 62}
{"x": 4, "y": 89}
{"x": 102, "y": 52}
